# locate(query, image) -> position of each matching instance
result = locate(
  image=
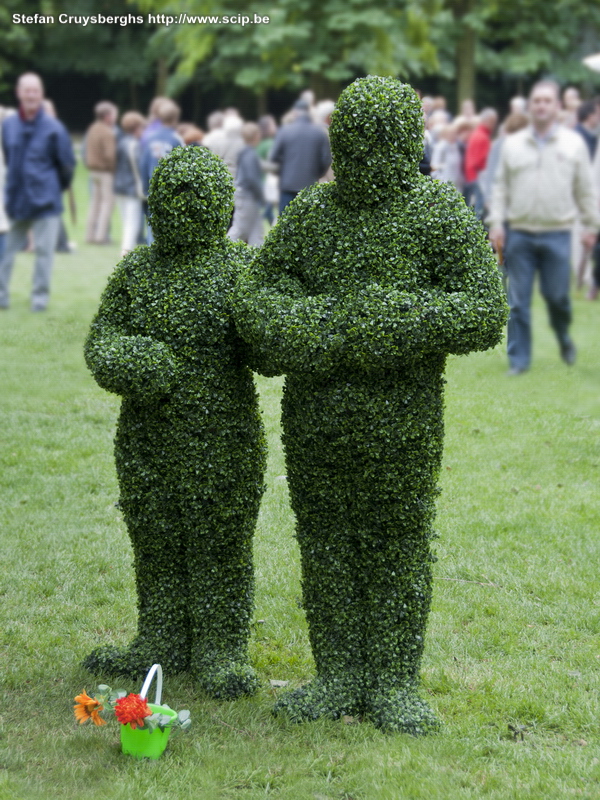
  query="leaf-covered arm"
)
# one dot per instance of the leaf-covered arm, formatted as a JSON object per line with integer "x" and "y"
{"x": 461, "y": 306}
{"x": 286, "y": 329}
{"x": 458, "y": 307}
{"x": 121, "y": 361}
{"x": 468, "y": 309}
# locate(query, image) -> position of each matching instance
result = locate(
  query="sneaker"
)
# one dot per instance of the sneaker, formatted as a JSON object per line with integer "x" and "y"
{"x": 516, "y": 371}
{"x": 568, "y": 353}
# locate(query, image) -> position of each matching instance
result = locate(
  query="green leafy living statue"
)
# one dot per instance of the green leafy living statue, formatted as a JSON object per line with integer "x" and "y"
{"x": 358, "y": 295}
{"x": 190, "y": 450}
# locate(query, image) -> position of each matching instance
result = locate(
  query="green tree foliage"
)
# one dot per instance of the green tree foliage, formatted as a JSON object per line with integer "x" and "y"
{"x": 325, "y": 43}
{"x": 530, "y": 37}
{"x": 118, "y": 52}
{"x": 15, "y": 40}
{"x": 306, "y": 41}
{"x": 522, "y": 39}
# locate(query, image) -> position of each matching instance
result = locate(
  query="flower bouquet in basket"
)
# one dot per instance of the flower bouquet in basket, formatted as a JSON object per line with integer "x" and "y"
{"x": 145, "y": 727}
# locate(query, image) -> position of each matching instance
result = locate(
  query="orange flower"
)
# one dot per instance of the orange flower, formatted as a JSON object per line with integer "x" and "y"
{"x": 132, "y": 709}
{"x": 88, "y": 708}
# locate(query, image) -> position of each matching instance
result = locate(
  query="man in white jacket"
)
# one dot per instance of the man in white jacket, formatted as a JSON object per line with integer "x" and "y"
{"x": 543, "y": 183}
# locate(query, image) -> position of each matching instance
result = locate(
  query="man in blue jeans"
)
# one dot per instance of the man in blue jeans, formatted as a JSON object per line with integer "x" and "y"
{"x": 543, "y": 184}
{"x": 39, "y": 167}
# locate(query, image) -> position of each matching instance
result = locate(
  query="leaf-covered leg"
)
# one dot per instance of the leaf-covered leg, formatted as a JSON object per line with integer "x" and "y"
{"x": 332, "y": 604}
{"x": 221, "y": 598}
{"x": 155, "y": 526}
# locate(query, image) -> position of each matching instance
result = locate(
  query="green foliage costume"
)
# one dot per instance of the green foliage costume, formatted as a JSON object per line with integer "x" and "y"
{"x": 189, "y": 448}
{"x": 359, "y": 293}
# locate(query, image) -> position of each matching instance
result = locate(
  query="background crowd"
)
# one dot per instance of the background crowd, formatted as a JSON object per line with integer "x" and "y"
{"x": 272, "y": 160}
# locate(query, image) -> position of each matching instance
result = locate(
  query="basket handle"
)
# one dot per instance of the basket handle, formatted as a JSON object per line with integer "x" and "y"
{"x": 156, "y": 669}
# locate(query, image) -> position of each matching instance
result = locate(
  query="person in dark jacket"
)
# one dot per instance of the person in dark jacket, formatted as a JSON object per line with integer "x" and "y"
{"x": 247, "y": 222}
{"x": 301, "y": 149}
{"x": 588, "y": 117}
{"x": 39, "y": 167}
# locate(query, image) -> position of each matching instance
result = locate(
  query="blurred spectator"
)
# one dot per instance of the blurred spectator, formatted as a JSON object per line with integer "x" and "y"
{"x": 129, "y": 191}
{"x": 588, "y": 119}
{"x": 467, "y": 110}
{"x": 247, "y": 222}
{"x": 161, "y": 141}
{"x": 437, "y": 122}
{"x": 39, "y": 167}
{"x": 101, "y": 160}
{"x": 571, "y": 99}
{"x": 268, "y": 129}
{"x": 515, "y": 121}
{"x": 595, "y": 278}
{"x": 543, "y": 181}
{"x": 63, "y": 245}
{"x": 476, "y": 155}
{"x": 518, "y": 105}
{"x": 322, "y": 116}
{"x": 154, "y": 122}
{"x": 571, "y": 102}
{"x": 447, "y": 157}
{"x": 428, "y": 104}
{"x": 308, "y": 96}
{"x": 215, "y": 132}
{"x": 301, "y": 149}
{"x": 231, "y": 143}
{"x": 440, "y": 104}
{"x": 3, "y": 218}
{"x": 190, "y": 133}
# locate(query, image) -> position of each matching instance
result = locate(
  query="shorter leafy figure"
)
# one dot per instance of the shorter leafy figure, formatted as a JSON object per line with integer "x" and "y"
{"x": 189, "y": 448}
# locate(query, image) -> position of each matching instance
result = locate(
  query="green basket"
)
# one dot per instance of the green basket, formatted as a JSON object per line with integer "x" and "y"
{"x": 142, "y": 743}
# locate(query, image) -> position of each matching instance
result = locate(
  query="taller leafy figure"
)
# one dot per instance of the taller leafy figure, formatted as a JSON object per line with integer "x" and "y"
{"x": 189, "y": 448}
{"x": 360, "y": 292}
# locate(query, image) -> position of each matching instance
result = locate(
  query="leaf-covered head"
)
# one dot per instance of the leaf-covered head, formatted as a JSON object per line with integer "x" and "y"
{"x": 376, "y": 138}
{"x": 190, "y": 199}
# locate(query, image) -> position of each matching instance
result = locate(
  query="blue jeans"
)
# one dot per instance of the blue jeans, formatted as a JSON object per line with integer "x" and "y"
{"x": 45, "y": 234}
{"x": 285, "y": 198}
{"x": 548, "y": 253}
{"x": 474, "y": 197}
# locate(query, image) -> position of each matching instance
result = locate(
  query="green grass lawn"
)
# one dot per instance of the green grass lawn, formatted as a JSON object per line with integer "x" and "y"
{"x": 512, "y": 660}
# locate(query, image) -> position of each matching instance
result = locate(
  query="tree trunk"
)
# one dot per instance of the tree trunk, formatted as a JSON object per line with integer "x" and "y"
{"x": 197, "y": 102}
{"x": 162, "y": 74}
{"x": 465, "y": 51}
{"x": 261, "y": 104}
{"x": 465, "y": 65}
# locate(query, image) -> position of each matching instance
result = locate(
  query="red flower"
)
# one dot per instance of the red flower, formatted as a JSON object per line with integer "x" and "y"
{"x": 132, "y": 709}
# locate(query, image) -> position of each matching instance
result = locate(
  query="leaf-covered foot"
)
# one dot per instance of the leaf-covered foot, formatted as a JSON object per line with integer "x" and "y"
{"x": 227, "y": 681}
{"x": 402, "y": 711}
{"x": 316, "y": 699}
{"x": 134, "y": 661}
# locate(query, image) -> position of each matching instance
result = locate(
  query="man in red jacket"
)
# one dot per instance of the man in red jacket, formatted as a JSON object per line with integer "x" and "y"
{"x": 476, "y": 155}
